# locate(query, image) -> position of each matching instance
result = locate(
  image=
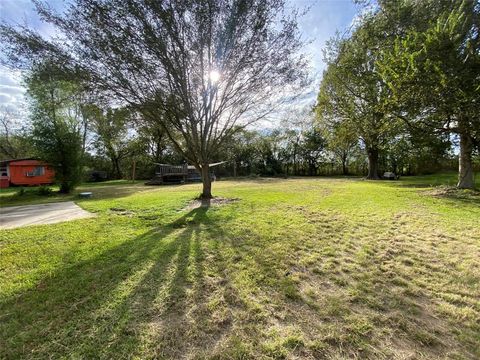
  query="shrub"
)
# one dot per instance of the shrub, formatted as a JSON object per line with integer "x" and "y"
{"x": 44, "y": 190}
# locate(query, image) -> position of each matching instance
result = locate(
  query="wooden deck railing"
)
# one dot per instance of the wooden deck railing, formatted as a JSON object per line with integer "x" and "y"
{"x": 164, "y": 169}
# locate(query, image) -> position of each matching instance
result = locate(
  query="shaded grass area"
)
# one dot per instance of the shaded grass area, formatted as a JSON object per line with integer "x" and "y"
{"x": 14, "y": 196}
{"x": 448, "y": 179}
{"x": 301, "y": 268}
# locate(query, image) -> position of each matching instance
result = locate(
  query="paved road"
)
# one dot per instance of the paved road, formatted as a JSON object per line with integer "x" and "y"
{"x": 18, "y": 216}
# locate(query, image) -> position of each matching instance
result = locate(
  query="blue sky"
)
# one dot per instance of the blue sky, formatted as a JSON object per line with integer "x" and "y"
{"x": 324, "y": 19}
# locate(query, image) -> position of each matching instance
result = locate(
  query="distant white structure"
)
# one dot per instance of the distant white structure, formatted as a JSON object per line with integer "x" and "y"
{"x": 390, "y": 176}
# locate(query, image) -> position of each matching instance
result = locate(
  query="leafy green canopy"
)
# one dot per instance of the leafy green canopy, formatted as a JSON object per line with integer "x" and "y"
{"x": 412, "y": 61}
{"x": 353, "y": 92}
{"x": 160, "y": 57}
{"x": 433, "y": 72}
{"x": 56, "y": 122}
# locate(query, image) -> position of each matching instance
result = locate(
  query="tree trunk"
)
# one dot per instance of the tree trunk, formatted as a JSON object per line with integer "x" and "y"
{"x": 395, "y": 167}
{"x": 344, "y": 165}
{"x": 64, "y": 188}
{"x": 207, "y": 182}
{"x": 133, "y": 170}
{"x": 116, "y": 168}
{"x": 465, "y": 166}
{"x": 372, "y": 164}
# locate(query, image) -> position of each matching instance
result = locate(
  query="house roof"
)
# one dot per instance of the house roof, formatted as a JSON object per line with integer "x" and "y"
{"x": 10, "y": 160}
{"x": 4, "y": 162}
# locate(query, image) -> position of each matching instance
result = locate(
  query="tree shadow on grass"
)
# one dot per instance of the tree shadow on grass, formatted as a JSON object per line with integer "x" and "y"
{"x": 174, "y": 291}
{"x": 115, "y": 303}
{"x": 148, "y": 296}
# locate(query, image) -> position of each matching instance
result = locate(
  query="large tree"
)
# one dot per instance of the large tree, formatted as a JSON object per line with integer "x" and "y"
{"x": 352, "y": 93}
{"x": 208, "y": 67}
{"x": 434, "y": 74}
{"x": 408, "y": 60}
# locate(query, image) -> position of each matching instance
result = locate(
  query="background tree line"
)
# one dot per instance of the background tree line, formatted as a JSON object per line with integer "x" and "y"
{"x": 114, "y": 141}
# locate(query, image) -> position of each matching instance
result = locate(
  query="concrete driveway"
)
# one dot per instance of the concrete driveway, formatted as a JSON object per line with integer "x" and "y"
{"x": 18, "y": 216}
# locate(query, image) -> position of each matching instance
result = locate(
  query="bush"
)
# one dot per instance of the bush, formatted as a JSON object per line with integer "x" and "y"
{"x": 21, "y": 191}
{"x": 44, "y": 190}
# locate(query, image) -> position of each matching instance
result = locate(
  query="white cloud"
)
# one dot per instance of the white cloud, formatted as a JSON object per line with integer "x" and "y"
{"x": 12, "y": 93}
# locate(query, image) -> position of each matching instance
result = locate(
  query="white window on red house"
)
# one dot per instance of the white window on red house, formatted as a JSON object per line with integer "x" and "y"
{"x": 38, "y": 171}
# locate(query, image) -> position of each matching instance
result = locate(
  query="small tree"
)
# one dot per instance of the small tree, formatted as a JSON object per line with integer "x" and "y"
{"x": 111, "y": 135}
{"x": 341, "y": 142}
{"x": 57, "y": 125}
{"x": 312, "y": 148}
{"x": 14, "y": 139}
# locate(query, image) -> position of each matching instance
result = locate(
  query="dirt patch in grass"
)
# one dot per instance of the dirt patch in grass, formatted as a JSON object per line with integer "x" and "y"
{"x": 453, "y": 193}
{"x": 205, "y": 203}
{"x": 121, "y": 211}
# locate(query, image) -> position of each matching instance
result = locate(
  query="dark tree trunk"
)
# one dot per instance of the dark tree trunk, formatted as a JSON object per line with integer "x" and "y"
{"x": 465, "y": 166}
{"x": 394, "y": 167}
{"x": 63, "y": 189}
{"x": 207, "y": 182}
{"x": 372, "y": 164}
{"x": 117, "y": 172}
{"x": 344, "y": 165}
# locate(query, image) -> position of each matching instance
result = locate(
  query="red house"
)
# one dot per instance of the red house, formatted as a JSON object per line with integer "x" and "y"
{"x": 25, "y": 172}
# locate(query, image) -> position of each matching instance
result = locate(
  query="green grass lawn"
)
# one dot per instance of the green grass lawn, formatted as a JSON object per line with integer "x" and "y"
{"x": 15, "y": 196}
{"x": 294, "y": 268}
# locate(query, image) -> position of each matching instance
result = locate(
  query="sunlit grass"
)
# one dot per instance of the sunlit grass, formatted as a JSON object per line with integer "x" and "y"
{"x": 297, "y": 268}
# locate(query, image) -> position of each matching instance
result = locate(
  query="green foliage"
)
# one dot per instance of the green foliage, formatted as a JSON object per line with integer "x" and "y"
{"x": 342, "y": 142}
{"x": 161, "y": 58}
{"x": 312, "y": 148}
{"x": 111, "y": 135}
{"x": 44, "y": 190}
{"x": 433, "y": 73}
{"x": 15, "y": 142}
{"x": 417, "y": 62}
{"x": 352, "y": 94}
{"x": 56, "y": 122}
{"x": 276, "y": 152}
